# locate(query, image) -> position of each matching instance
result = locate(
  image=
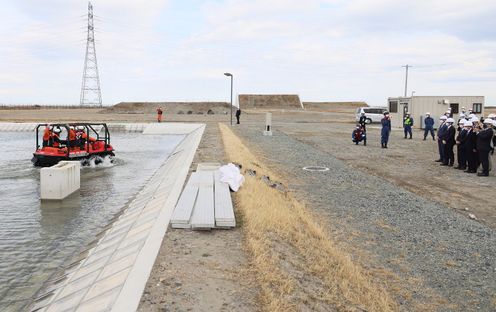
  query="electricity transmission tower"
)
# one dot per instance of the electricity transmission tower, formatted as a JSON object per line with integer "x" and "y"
{"x": 90, "y": 89}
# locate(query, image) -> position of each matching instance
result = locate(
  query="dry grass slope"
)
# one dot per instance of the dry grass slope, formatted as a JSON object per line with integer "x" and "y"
{"x": 295, "y": 261}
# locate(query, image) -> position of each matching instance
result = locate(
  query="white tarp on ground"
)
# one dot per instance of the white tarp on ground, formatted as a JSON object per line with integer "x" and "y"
{"x": 231, "y": 175}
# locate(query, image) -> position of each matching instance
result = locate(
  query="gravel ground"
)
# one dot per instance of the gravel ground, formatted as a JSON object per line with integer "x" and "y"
{"x": 452, "y": 258}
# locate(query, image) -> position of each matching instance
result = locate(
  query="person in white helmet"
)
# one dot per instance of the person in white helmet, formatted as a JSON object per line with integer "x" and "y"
{"x": 440, "y": 133}
{"x": 469, "y": 147}
{"x": 448, "y": 140}
{"x": 484, "y": 138}
{"x": 460, "y": 152}
{"x": 429, "y": 126}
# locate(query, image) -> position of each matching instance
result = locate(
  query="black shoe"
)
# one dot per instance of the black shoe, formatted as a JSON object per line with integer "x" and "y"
{"x": 482, "y": 174}
{"x": 443, "y": 164}
{"x": 424, "y": 139}
{"x": 439, "y": 160}
{"x": 433, "y": 139}
{"x": 410, "y": 138}
{"x": 457, "y": 167}
{"x": 450, "y": 165}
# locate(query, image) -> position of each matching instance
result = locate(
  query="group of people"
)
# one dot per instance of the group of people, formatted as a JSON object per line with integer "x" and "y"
{"x": 77, "y": 137}
{"x": 474, "y": 139}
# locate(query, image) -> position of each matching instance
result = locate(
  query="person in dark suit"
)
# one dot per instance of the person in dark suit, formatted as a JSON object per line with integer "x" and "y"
{"x": 460, "y": 153}
{"x": 469, "y": 146}
{"x": 448, "y": 140}
{"x": 238, "y": 114}
{"x": 483, "y": 145}
{"x": 440, "y": 134}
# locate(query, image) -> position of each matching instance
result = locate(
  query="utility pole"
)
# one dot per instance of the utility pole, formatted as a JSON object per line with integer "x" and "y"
{"x": 231, "y": 76}
{"x": 406, "y": 77}
{"x": 91, "y": 93}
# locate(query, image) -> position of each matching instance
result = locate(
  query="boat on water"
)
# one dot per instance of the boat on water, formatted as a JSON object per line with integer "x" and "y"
{"x": 71, "y": 141}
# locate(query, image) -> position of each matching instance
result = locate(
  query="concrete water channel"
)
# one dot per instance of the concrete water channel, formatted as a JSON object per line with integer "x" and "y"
{"x": 93, "y": 251}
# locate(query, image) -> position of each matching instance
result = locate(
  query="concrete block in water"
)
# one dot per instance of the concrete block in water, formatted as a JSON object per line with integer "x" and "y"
{"x": 61, "y": 180}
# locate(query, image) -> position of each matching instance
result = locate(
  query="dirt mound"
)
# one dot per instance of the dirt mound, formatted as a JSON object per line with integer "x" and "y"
{"x": 169, "y": 107}
{"x": 253, "y": 101}
{"x": 341, "y": 107}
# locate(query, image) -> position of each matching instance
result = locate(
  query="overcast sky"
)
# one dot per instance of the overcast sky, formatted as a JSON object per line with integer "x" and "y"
{"x": 328, "y": 50}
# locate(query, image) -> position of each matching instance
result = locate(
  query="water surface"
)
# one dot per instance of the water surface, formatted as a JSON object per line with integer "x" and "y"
{"x": 36, "y": 237}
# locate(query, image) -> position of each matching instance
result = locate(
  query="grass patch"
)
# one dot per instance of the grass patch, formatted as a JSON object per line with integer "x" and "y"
{"x": 296, "y": 263}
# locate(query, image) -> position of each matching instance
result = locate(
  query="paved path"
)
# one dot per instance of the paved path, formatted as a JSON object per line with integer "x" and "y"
{"x": 454, "y": 258}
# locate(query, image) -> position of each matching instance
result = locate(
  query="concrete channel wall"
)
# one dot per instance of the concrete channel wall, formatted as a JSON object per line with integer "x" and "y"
{"x": 112, "y": 273}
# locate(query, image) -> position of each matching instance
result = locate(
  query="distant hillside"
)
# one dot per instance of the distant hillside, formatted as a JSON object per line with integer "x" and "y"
{"x": 169, "y": 107}
{"x": 283, "y": 101}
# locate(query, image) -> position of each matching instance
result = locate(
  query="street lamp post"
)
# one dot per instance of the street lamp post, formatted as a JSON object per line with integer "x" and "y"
{"x": 230, "y": 75}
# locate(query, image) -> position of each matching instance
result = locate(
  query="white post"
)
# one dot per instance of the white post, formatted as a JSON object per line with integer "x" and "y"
{"x": 268, "y": 124}
{"x": 59, "y": 181}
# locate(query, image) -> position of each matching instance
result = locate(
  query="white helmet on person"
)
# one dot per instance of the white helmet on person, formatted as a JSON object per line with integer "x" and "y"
{"x": 474, "y": 119}
{"x": 450, "y": 120}
{"x": 471, "y": 116}
{"x": 427, "y": 114}
{"x": 461, "y": 121}
{"x": 488, "y": 121}
{"x": 492, "y": 116}
{"x": 468, "y": 123}
{"x": 443, "y": 117}
{"x": 56, "y": 130}
{"x": 80, "y": 127}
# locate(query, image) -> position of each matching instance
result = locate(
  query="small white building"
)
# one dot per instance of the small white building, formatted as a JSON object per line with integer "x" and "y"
{"x": 417, "y": 106}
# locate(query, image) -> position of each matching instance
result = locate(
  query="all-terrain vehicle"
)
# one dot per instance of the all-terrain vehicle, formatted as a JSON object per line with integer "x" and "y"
{"x": 71, "y": 141}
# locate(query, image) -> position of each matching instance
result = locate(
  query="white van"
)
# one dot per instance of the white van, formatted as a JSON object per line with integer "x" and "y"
{"x": 373, "y": 114}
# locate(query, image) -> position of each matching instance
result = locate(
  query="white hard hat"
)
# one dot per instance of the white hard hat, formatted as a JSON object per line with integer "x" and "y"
{"x": 491, "y": 116}
{"x": 407, "y": 113}
{"x": 71, "y": 127}
{"x": 462, "y": 115}
{"x": 488, "y": 121}
{"x": 468, "y": 123}
{"x": 471, "y": 115}
{"x": 450, "y": 120}
{"x": 443, "y": 117}
{"x": 474, "y": 119}
{"x": 461, "y": 121}
{"x": 56, "y": 130}
{"x": 80, "y": 127}
{"x": 428, "y": 113}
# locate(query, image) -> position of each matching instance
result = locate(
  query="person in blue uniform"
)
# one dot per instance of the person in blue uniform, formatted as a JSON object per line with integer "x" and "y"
{"x": 386, "y": 129}
{"x": 429, "y": 126}
{"x": 359, "y": 135}
{"x": 407, "y": 125}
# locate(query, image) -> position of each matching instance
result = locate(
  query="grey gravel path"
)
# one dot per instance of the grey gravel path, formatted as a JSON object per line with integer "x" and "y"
{"x": 452, "y": 255}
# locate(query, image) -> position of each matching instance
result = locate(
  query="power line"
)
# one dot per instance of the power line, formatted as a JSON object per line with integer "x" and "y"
{"x": 91, "y": 93}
